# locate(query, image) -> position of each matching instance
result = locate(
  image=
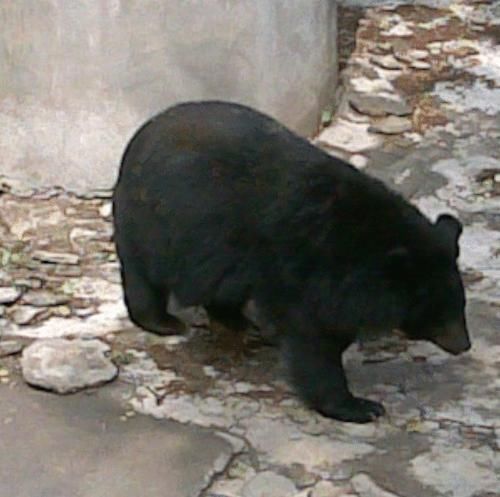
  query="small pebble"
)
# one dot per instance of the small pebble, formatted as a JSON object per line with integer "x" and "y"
{"x": 68, "y": 271}
{"x": 44, "y": 298}
{"x": 174, "y": 340}
{"x": 435, "y": 45}
{"x": 62, "y": 311}
{"x": 418, "y": 54}
{"x": 400, "y": 29}
{"x": 10, "y": 347}
{"x": 240, "y": 470}
{"x": 384, "y": 46}
{"x": 243, "y": 387}
{"x": 84, "y": 312}
{"x": 33, "y": 283}
{"x": 298, "y": 474}
{"x": 387, "y": 62}
{"x": 24, "y": 314}
{"x": 8, "y": 295}
{"x": 420, "y": 64}
{"x": 106, "y": 210}
{"x": 56, "y": 257}
{"x": 411, "y": 55}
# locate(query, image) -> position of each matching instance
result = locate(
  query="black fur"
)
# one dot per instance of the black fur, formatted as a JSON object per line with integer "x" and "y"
{"x": 220, "y": 204}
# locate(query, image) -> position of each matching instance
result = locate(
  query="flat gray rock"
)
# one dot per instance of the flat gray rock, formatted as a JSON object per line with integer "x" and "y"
{"x": 377, "y": 105}
{"x": 24, "y": 314}
{"x": 10, "y": 347}
{"x": 421, "y": 64}
{"x": 66, "y": 366}
{"x": 44, "y": 298}
{"x": 366, "y": 487}
{"x": 269, "y": 484}
{"x": 78, "y": 446}
{"x": 56, "y": 257}
{"x": 9, "y": 294}
{"x": 391, "y": 125}
{"x": 387, "y": 62}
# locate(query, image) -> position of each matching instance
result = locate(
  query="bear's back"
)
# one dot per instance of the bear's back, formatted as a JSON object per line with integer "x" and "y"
{"x": 238, "y": 139}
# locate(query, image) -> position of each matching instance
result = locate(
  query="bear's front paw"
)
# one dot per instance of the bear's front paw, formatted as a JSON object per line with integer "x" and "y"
{"x": 354, "y": 410}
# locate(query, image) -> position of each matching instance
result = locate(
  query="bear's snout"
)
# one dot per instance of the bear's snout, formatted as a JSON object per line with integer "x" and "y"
{"x": 453, "y": 338}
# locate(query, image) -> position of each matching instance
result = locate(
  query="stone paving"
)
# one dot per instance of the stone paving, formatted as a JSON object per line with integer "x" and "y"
{"x": 79, "y": 446}
{"x": 419, "y": 107}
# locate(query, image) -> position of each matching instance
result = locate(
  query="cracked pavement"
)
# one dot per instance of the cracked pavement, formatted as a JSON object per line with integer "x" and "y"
{"x": 209, "y": 414}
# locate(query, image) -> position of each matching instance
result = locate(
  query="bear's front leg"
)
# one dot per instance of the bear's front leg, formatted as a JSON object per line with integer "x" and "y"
{"x": 315, "y": 365}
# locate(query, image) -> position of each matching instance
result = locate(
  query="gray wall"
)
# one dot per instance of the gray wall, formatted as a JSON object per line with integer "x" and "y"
{"x": 78, "y": 77}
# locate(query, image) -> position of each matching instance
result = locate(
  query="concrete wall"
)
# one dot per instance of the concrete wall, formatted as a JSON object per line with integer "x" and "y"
{"x": 78, "y": 77}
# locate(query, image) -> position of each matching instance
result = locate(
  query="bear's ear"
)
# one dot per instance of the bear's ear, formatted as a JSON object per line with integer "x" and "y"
{"x": 451, "y": 228}
{"x": 450, "y": 225}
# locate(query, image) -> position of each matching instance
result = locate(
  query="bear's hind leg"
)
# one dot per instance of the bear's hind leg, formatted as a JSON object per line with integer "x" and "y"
{"x": 315, "y": 365}
{"x": 147, "y": 303}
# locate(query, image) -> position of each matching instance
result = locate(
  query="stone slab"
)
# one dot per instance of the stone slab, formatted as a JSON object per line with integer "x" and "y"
{"x": 78, "y": 446}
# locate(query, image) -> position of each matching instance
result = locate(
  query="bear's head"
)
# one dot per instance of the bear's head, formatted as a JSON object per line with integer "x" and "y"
{"x": 436, "y": 310}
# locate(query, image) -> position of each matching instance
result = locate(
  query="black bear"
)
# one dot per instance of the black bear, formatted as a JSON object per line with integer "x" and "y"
{"x": 219, "y": 204}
